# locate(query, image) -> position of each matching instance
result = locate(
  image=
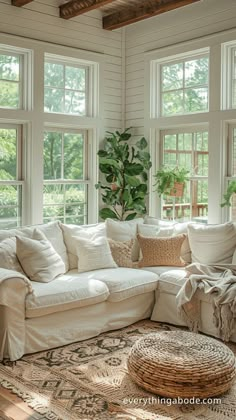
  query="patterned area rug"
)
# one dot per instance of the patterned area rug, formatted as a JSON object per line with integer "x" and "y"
{"x": 89, "y": 381}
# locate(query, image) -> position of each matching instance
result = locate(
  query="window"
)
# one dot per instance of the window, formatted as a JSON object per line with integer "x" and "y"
{"x": 11, "y": 177}
{"x": 187, "y": 149}
{"x": 65, "y": 88}
{"x": 10, "y": 80}
{"x": 229, "y": 76}
{"x": 65, "y": 176}
{"x": 184, "y": 86}
{"x": 232, "y": 168}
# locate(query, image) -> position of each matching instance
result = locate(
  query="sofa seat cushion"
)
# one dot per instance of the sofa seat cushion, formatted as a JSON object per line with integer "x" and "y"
{"x": 65, "y": 292}
{"x": 171, "y": 281}
{"x": 124, "y": 283}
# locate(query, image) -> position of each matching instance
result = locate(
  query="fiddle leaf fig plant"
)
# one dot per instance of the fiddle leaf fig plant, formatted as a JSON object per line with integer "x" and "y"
{"x": 125, "y": 170}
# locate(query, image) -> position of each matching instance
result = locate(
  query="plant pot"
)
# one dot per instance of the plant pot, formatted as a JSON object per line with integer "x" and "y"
{"x": 177, "y": 190}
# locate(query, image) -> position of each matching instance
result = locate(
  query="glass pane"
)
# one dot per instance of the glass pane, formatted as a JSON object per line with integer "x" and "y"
{"x": 53, "y": 100}
{"x": 54, "y": 75}
{"x": 196, "y": 72}
{"x": 170, "y": 159}
{"x": 199, "y": 201}
{"x": 75, "y": 211}
{"x": 172, "y": 103}
{"x": 234, "y": 153}
{"x": 234, "y": 94}
{"x": 52, "y": 155}
{"x": 75, "y": 193}
{"x": 9, "y": 67}
{"x": 172, "y": 76}
{"x": 233, "y": 208}
{"x": 170, "y": 142}
{"x": 10, "y": 206}
{"x": 201, "y": 141}
{"x": 74, "y": 102}
{"x": 179, "y": 208}
{"x": 185, "y": 160}
{"x": 53, "y": 213}
{"x": 73, "y": 156}
{"x": 76, "y": 220}
{"x": 53, "y": 194}
{"x": 9, "y": 94}
{"x": 185, "y": 141}
{"x": 8, "y": 154}
{"x": 196, "y": 100}
{"x": 75, "y": 78}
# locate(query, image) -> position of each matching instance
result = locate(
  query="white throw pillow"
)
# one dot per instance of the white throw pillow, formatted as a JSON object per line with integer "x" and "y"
{"x": 155, "y": 231}
{"x": 8, "y": 258}
{"x": 38, "y": 258}
{"x": 124, "y": 231}
{"x": 70, "y": 232}
{"x": 93, "y": 254}
{"x": 212, "y": 244}
{"x": 150, "y": 220}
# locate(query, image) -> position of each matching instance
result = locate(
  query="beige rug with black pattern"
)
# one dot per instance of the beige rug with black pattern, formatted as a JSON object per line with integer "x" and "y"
{"x": 89, "y": 381}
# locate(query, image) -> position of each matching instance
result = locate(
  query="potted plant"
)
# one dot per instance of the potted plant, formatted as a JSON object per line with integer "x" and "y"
{"x": 171, "y": 181}
{"x": 231, "y": 189}
{"x": 125, "y": 169}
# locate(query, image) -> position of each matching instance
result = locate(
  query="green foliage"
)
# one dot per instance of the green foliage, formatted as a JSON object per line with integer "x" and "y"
{"x": 231, "y": 189}
{"x": 166, "y": 178}
{"x": 126, "y": 172}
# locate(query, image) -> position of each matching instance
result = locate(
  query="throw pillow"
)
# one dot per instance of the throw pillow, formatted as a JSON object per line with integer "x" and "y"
{"x": 70, "y": 232}
{"x": 121, "y": 253}
{"x": 38, "y": 258}
{"x": 124, "y": 231}
{"x": 212, "y": 244}
{"x": 161, "y": 251}
{"x": 155, "y": 231}
{"x": 8, "y": 258}
{"x": 93, "y": 254}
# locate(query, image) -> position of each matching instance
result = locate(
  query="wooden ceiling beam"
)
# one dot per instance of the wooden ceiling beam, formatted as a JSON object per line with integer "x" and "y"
{"x": 143, "y": 11}
{"x": 20, "y": 3}
{"x": 78, "y": 7}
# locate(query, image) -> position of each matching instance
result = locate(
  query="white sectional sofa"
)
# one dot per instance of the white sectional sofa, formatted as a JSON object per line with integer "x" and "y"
{"x": 89, "y": 294}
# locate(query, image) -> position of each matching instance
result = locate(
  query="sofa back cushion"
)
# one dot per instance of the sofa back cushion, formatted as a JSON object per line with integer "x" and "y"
{"x": 38, "y": 258}
{"x": 212, "y": 244}
{"x": 51, "y": 230}
{"x": 124, "y": 231}
{"x": 70, "y": 232}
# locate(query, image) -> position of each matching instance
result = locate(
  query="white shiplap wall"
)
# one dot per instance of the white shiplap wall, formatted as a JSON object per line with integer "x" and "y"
{"x": 190, "y": 22}
{"x": 40, "y": 20}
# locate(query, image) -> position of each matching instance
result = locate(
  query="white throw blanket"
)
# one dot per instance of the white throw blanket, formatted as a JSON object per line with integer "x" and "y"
{"x": 219, "y": 281}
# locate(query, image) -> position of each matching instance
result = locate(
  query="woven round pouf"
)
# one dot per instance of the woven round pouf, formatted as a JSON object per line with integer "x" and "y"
{"x": 181, "y": 364}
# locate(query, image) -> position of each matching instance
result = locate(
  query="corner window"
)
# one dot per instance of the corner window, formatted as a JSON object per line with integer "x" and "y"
{"x": 187, "y": 149}
{"x": 65, "y": 87}
{"x": 184, "y": 86}
{"x": 65, "y": 176}
{"x": 11, "y": 176}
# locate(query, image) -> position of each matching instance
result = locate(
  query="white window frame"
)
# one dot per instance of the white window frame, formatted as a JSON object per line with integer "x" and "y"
{"x": 62, "y": 181}
{"x": 91, "y": 93}
{"x": 20, "y": 169}
{"x": 227, "y": 52}
{"x": 182, "y": 130}
{"x": 155, "y": 82}
{"x": 25, "y": 75}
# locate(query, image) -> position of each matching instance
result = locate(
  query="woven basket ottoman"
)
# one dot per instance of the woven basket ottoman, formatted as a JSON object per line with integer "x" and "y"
{"x": 181, "y": 364}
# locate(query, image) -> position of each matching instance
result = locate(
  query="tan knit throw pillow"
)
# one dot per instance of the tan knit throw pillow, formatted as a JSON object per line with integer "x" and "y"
{"x": 161, "y": 251}
{"x": 121, "y": 253}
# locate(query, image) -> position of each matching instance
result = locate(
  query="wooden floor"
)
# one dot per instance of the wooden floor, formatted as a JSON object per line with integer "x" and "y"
{"x": 13, "y": 408}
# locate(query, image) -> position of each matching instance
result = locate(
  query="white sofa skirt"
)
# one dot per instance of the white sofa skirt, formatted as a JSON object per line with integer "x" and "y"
{"x": 73, "y": 325}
